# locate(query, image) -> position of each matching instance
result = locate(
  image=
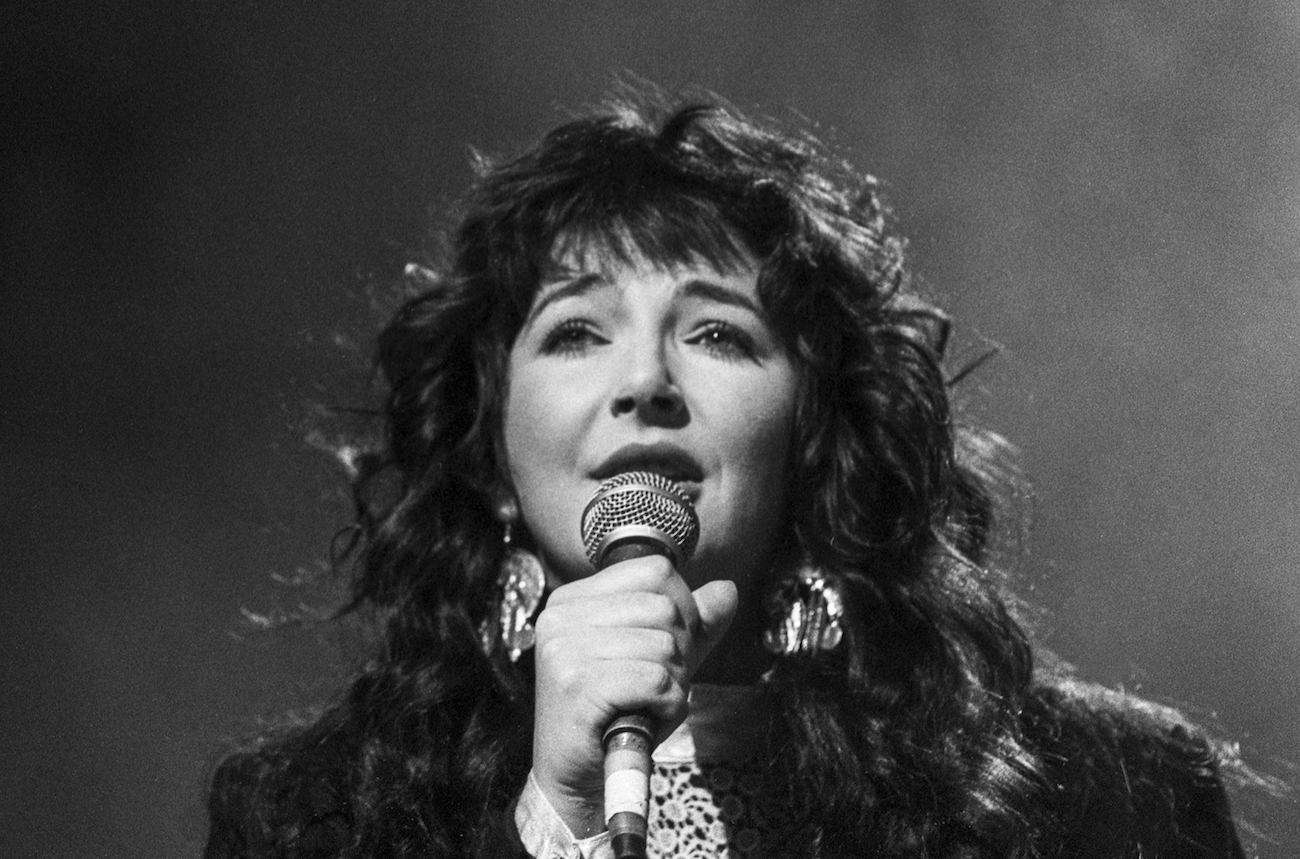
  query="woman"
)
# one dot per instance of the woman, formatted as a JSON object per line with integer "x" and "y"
{"x": 689, "y": 294}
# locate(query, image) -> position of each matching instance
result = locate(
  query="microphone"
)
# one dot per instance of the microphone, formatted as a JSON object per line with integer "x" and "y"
{"x": 632, "y": 515}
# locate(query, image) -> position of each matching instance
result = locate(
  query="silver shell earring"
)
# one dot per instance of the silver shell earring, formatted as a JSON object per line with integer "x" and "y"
{"x": 806, "y": 610}
{"x": 521, "y": 582}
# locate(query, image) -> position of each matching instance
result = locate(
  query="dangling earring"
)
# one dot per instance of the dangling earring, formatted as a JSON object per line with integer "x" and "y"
{"x": 521, "y": 582}
{"x": 806, "y": 611}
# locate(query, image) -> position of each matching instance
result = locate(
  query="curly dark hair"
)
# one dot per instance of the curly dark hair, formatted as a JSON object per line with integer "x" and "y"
{"x": 908, "y": 738}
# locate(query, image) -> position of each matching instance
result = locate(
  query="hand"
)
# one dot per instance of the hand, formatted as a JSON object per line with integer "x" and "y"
{"x": 626, "y": 639}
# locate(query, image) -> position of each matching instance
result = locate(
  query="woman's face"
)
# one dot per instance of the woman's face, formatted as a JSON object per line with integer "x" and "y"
{"x": 636, "y": 367}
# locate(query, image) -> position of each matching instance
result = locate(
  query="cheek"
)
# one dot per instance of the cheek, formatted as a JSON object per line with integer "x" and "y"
{"x": 522, "y": 429}
{"x": 542, "y": 430}
{"x": 766, "y": 423}
{"x": 762, "y": 432}
{"x": 769, "y": 467}
{"x": 546, "y": 421}
{"x": 525, "y": 434}
{"x": 530, "y": 417}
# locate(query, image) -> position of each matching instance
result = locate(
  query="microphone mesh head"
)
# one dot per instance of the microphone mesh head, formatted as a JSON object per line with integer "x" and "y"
{"x": 635, "y": 503}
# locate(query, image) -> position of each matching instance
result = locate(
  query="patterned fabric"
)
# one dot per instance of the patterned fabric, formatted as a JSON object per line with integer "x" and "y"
{"x": 710, "y": 810}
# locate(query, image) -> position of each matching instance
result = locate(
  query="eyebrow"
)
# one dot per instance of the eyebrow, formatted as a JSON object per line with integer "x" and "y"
{"x": 549, "y": 294}
{"x": 710, "y": 291}
{"x": 693, "y": 288}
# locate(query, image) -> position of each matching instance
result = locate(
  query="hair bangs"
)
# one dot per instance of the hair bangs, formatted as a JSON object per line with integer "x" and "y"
{"x": 645, "y": 224}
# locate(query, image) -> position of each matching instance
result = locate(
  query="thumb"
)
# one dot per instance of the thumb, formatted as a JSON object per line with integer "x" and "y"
{"x": 716, "y": 602}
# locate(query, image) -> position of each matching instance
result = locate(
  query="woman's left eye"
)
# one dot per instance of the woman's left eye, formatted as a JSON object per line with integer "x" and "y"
{"x": 725, "y": 340}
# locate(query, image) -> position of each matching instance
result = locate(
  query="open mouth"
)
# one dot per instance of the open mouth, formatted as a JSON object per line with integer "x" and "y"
{"x": 666, "y": 460}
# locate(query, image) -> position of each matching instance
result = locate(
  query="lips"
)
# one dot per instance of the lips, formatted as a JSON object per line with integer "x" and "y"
{"x": 666, "y": 460}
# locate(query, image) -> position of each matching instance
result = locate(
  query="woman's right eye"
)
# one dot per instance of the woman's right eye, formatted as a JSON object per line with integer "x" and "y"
{"x": 571, "y": 337}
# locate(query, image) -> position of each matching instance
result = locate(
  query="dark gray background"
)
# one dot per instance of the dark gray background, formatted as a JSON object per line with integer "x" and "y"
{"x": 195, "y": 196}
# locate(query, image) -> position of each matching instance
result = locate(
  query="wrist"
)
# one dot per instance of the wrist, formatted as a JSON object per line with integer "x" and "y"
{"x": 583, "y": 812}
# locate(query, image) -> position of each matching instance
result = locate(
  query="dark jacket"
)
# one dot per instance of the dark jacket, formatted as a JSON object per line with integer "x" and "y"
{"x": 1128, "y": 780}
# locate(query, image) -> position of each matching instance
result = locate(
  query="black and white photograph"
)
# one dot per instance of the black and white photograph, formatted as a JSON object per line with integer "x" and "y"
{"x": 717, "y": 430}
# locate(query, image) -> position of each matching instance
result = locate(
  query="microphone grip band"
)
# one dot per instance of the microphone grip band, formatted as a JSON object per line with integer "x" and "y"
{"x": 627, "y": 783}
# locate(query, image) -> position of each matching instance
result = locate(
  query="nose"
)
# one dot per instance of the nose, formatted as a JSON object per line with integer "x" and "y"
{"x": 649, "y": 391}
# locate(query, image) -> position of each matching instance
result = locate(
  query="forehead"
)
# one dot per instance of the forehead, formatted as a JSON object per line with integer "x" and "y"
{"x": 573, "y": 260}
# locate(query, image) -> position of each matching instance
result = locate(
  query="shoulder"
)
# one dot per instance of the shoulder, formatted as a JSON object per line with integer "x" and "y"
{"x": 1128, "y": 777}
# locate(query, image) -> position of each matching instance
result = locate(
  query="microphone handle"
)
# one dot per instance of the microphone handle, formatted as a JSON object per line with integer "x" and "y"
{"x": 627, "y": 783}
{"x": 627, "y": 740}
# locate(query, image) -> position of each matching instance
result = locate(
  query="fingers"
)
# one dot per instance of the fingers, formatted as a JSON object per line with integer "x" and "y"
{"x": 609, "y": 686}
{"x": 653, "y": 573}
{"x": 715, "y": 606}
{"x": 614, "y": 644}
{"x": 644, "y": 593}
{"x": 638, "y": 609}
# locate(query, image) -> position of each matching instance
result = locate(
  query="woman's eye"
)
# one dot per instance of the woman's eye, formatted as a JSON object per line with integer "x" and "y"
{"x": 725, "y": 340}
{"x": 570, "y": 337}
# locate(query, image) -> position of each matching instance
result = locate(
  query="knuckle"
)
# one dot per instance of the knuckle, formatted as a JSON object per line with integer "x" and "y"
{"x": 550, "y": 650}
{"x": 547, "y": 625}
{"x": 562, "y": 594}
{"x": 659, "y": 569}
{"x": 661, "y": 680}
{"x": 570, "y": 680}
{"x": 662, "y": 610}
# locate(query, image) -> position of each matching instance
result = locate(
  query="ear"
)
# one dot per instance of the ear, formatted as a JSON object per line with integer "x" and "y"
{"x": 505, "y": 509}
{"x": 505, "y": 506}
